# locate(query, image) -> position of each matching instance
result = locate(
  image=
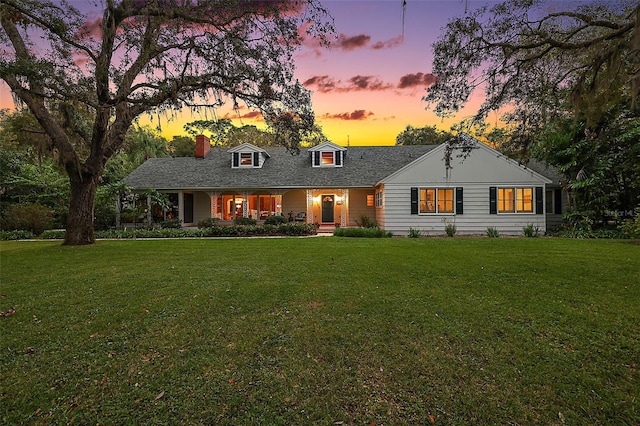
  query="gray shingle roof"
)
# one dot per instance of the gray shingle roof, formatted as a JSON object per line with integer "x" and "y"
{"x": 363, "y": 166}
{"x": 547, "y": 170}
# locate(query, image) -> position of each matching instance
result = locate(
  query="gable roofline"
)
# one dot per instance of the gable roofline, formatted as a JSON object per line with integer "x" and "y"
{"x": 436, "y": 148}
{"x": 473, "y": 143}
{"x": 511, "y": 161}
{"x": 247, "y": 147}
{"x": 327, "y": 145}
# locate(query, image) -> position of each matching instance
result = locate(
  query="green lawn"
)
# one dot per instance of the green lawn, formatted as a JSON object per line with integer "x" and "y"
{"x": 321, "y": 331}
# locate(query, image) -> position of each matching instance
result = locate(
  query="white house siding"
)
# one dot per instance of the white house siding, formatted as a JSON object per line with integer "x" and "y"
{"x": 482, "y": 169}
{"x": 358, "y": 205}
{"x": 474, "y": 220}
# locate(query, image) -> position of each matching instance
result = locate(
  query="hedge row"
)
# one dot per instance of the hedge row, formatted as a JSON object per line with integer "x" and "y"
{"x": 16, "y": 235}
{"x": 362, "y": 233}
{"x": 287, "y": 229}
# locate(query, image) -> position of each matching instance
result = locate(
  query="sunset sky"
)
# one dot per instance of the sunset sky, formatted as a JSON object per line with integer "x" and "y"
{"x": 367, "y": 87}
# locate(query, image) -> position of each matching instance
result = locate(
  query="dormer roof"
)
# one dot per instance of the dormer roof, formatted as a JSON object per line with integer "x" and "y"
{"x": 247, "y": 156}
{"x": 247, "y": 147}
{"x": 327, "y": 146}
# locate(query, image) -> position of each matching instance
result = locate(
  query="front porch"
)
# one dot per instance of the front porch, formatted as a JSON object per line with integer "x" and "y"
{"x": 328, "y": 208}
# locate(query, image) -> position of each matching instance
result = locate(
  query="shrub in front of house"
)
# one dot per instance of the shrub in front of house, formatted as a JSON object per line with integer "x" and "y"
{"x": 492, "y": 232}
{"x": 450, "y": 230}
{"x": 208, "y": 223}
{"x": 365, "y": 221}
{"x": 149, "y": 233}
{"x": 530, "y": 231}
{"x": 362, "y": 233}
{"x": 286, "y": 229}
{"x": 53, "y": 234}
{"x": 171, "y": 223}
{"x": 16, "y": 235}
{"x": 293, "y": 229}
{"x": 275, "y": 220}
{"x": 414, "y": 233}
{"x": 244, "y": 221}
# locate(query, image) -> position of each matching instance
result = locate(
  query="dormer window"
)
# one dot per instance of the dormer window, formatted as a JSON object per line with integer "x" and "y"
{"x": 327, "y": 155}
{"x": 327, "y": 158}
{"x": 247, "y": 156}
{"x": 246, "y": 159}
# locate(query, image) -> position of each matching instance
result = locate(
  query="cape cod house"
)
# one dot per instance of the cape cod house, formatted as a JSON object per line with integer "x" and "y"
{"x": 401, "y": 187}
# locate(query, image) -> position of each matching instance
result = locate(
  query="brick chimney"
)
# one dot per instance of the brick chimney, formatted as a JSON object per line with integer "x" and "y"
{"x": 202, "y": 146}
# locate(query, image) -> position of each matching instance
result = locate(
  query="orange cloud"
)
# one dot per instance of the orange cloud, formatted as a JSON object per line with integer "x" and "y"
{"x": 249, "y": 115}
{"x": 358, "y": 114}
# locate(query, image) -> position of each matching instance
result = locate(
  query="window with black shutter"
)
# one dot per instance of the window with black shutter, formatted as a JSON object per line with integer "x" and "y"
{"x": 414, "y": 200}
{"x": 459, "y": 205}
{"x": 539, "y": 200}
{"x": 493, "y": 200}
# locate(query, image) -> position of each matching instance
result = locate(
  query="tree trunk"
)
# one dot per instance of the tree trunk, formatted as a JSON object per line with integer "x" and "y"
{"x": 80, "y": 230}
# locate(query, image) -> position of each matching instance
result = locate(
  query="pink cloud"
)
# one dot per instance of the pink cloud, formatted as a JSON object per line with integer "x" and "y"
{"x": 368, "y": 82}
{"x": 325, "y": 84}
{"x": 356, "y": 115}
{"x": 418, "y": 79}
{"x": 396, "y": 41}
{"x": 354, "y": 42}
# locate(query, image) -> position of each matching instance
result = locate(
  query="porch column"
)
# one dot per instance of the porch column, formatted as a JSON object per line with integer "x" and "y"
{"x": 309, "y": 206}
{"x": 118, "y": 202}
{"x": 344, "y": 211}
{"x": 181, "y": 206}
{"x": 148, "y": 209}
{"x": 245, "y": 204}
{"x": 213, "y": 201}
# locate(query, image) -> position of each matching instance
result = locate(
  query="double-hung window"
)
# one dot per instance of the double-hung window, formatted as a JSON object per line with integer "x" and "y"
{"x": 327, "y": 158}
{"x": 515, "y": 200}
{"x": 436, "y": 200}
{"x": 378, "y": 199}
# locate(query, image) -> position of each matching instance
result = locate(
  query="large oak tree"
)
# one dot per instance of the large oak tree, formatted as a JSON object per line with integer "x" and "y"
{"x": 538, "y": 62}
{"x": 148, "y": 56}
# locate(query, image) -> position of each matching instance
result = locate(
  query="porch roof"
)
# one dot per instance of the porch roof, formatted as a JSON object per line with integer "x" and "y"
{"x": 363, "y": 166}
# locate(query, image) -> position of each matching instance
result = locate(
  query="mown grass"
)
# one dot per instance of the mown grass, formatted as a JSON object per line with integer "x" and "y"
{"x": 321, "y": 331}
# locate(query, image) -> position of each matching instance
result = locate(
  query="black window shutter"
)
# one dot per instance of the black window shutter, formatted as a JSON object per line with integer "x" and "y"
{"x": 539, "y": 200}
{"x": 316, "y": 158}
{"x": 256, "y": 159}
{"x": 236, "y": 159}
{"x": 338, "y": 155}
{"x": 557, "y": 201}
{"x": 493, "y": 200}
{"x": 414, "y": 200}
{"x": 459, "y": 208}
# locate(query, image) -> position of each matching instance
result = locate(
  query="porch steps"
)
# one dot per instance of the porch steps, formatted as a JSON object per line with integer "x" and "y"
{"x": 326, "y": 229}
